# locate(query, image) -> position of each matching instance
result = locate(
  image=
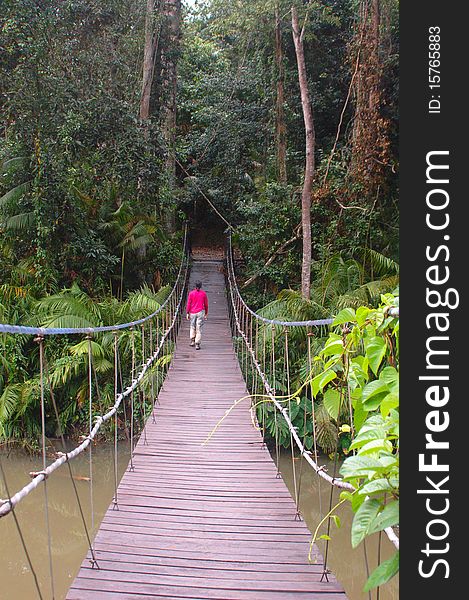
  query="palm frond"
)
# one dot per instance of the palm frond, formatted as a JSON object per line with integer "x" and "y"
{"x": 70, "y": 308}
{"x": 13, "y": 164}
{"x": 19, "y": 222}
{"x": 9, "y": 400}
{"x": 65, "y": 369}
{"x": 143, "y": 302}
{"x": 379, "y": 264}
{"x": 82, "y": 349}
{"x": 14, "y": 194}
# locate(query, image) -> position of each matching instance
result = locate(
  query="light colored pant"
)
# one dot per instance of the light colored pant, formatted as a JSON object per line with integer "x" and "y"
{"x": 197, "y": 323}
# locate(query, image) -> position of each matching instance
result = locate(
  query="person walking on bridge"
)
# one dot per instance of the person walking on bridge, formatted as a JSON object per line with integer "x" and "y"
{"x": 197, "y": 312}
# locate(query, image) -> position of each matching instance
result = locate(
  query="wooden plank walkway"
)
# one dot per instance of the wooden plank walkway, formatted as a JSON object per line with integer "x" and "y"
{"x": 203, "y": 522}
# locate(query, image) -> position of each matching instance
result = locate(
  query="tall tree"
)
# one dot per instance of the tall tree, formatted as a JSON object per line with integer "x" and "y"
{"x": 152, "y": 36}
{"x": 298, "y": 39}
{"x": 171, "y": 13}
{"x": 281, "y": 129}
{"x": 370, "y": 139}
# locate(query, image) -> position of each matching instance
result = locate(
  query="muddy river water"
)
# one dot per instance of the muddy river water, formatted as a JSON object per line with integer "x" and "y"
{"x": 69, "y": 542}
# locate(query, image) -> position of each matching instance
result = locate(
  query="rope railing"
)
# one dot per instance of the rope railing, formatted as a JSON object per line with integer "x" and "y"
{"x": 170, "y": 313}
{"x": 257, "y": 366}
{"x": 42, "y": 331}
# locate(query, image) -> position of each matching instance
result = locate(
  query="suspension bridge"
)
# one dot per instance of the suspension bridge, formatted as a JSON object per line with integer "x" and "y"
{"x": 202, "y": 511}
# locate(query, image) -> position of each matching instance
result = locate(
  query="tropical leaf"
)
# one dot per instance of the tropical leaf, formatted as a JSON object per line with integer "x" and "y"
{"x": 13, "y": 195}
{"x": 19, "y": 222}
{"x": 70, "y": 308}
{"x": 379, "y": 264}
{"x": 383, "y": 573}
{"x": 9, "y": 400}
{"x": 332, "y": 402}
{"x": 143, "y": 302}
{"x": 13, "y": 164}
{"x": 363, "y": 519}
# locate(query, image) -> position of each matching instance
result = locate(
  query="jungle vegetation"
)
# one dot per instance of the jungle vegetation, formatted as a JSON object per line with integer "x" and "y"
{"x": 120, "y": 121}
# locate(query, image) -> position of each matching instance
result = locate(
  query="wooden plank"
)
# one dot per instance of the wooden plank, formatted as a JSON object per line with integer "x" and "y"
{"x": 203, "y": 521}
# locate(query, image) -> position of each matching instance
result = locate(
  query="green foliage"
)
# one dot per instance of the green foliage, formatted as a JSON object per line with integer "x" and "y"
{"x": 367, "y": 363}
{"x": 342, "y": 395}
{"x": 67, "y": 361}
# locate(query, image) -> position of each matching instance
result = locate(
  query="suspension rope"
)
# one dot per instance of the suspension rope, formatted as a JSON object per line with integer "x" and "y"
{"x": 274, "y": 383}
{"x": 90, "y": 420}
{"x": 327, "y": 571}
{"x": 313, "y": 417}
{"x": 157, "y": 362}
{"x": 116, "y": 381}
{"x": 264, "y": 360}
{"x": 304, "y": 444}
{"x": 152, "y": 383}
{"x": 132, "y": 338}
{"x": 142, "y": 391}
{"x": 93, "y": 560}
{"x": 378, "y": 589}
{"x": 20, "y": 533}
{"x": 40, "y": 341}
{"x": 367, "y": 566}
{"x": 292, "y": 446}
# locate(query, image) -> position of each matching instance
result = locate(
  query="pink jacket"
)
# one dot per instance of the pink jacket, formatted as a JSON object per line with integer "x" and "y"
{"x": 197, "y": 301}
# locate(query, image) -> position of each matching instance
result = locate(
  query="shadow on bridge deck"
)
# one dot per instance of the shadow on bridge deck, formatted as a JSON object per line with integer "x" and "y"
{"x": 207, "y": 521}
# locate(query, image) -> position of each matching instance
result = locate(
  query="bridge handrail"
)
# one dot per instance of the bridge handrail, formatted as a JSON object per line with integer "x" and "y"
{"x": 42, "y": 331}
{"x": 393, "y": 312}
{"x": 314, "y": 323}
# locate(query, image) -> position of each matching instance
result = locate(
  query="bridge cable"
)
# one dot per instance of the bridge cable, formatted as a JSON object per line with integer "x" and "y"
{"x": 20, "y": 533}
{"x": 367, "y": 566}
{"x": 304, "y": 444}
{"x": 274, "y": 383}
{"x": 264, "y": 354}
{"x": 326, "y": 571}
{"x": 90, "y": 447}
{"x": 152, "y": 379}
{"x": 40, "y": 341}
{"x": 292, "y": 446}
{"x": 142, "y": 391}
{"x": 132, "y": 338}
{"x": 116, "y": 380}
{"x": 313, "y": 414}
{"x": 380, "y": 536}
{"x": 64, "y": 448}
{"x": 158, "y": 362}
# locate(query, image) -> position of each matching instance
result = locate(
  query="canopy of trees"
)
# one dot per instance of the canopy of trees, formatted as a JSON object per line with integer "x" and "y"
{"x": 121, "y": 119}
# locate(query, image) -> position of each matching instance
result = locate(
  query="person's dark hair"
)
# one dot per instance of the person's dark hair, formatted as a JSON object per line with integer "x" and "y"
{"x": 198, "y": 285}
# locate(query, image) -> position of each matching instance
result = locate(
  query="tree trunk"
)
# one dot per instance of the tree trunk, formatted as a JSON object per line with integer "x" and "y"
{"x": 309, "y": 162}
{"x": 149, "y": 59}
{"x": 281, "y": 129}
{"x": 370, "y": 141}
{"x": 169, "y": 55}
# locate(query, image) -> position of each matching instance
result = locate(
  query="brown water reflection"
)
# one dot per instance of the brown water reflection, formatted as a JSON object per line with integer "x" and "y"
{"x": 347, "y": 564}
{"x": 69, "y": 542}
